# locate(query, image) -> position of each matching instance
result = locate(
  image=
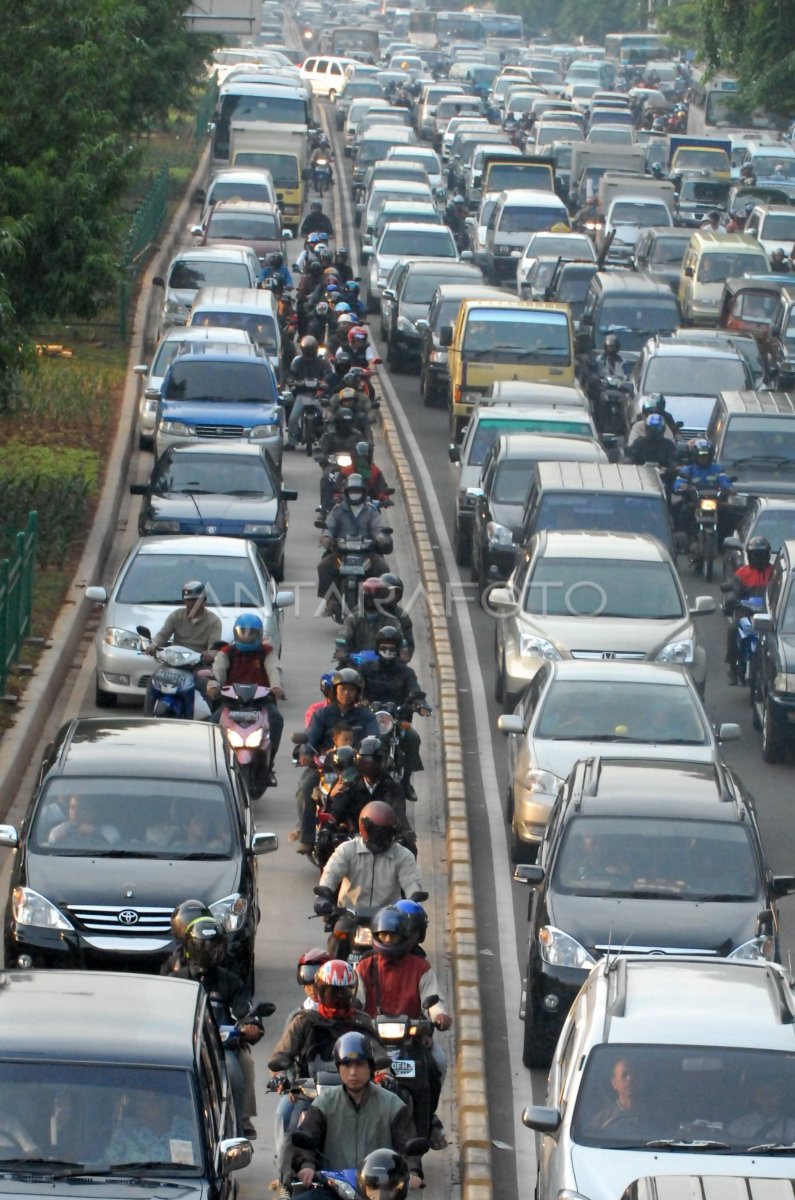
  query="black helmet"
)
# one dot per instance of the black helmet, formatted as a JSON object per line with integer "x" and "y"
{"x": 378, "y": 826}
{"x": 389, "y": 636}
{"x": 371, "y": 751}
{"x": 354, "y": 1047}
{"x": 343, "y": 419}
{"x": 391, "y": 920}
{"x": 374, "y": 592}
{"x": 353, "y": 377}
{"x": 275, "y": 259}
{"x": 396, "y": 584}
{"x": 343, "y": 760}
{"x": 612, "y": 344}
{"x": 342, "y": 252}
{"x": 346, "y": 675}
{"x": 702, "y": 452}
{"x": 316, "y": 206}
{"x": 758, "y": 552}
{"x": 204, "y": 946}
{"x": 316, "y": 267}
{"x": 384, "y": 1175}
{"x": 185, "y": 914}
{"x": 194, "y": 589}
{"x": 342, "y": 360}
{"x": 308, "y": 346}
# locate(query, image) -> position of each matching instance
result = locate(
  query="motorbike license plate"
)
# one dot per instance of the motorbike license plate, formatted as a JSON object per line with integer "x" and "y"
{"x": 352, "y": 567}
{"x": 404, "y": 1068}
{"x": 244, "y": 716}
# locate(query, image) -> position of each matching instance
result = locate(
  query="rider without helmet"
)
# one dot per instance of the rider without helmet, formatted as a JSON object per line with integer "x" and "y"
{"x": 378, "y": 826}
{"x": 611, "y": 346}
{"x": 248, "y": 632}
{"x": 758, "y": 552}
{"x": 308, "y": 347}
{"x": 383, "y": 1175}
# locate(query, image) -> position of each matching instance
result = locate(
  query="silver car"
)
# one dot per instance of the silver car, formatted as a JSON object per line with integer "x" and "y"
{"x": 203, "y": 266}
{"x": 573, "y": 710}
{"x": 149, "y": 586}
{"x": 402, "y": 239}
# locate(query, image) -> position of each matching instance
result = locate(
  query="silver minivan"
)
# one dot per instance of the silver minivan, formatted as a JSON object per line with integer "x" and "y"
{"x": 251, "y": 309}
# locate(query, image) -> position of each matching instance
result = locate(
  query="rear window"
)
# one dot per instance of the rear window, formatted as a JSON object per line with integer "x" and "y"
{"x": 418, "y": 243}
{"x": 194, "y": 274}
{"x": 234, "y": 382}
{"x": 241, "y": 191}
{"x": 246, "y": 227}
{"x": 489, "y": 429}
{"x": 283, "y": 167}
{"x": 605, "y": 511}
{"x": 756, "y": 438}
{"x": 262, "y": 329}
{"x": 518, "y": 218}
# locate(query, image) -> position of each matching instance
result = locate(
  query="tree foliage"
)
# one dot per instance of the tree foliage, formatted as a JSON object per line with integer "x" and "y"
{"x": 572, "y": 19}
{"x": 755, "y": 39}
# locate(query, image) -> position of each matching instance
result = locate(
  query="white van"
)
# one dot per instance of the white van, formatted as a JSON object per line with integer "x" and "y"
{"x": 326, "y": 76}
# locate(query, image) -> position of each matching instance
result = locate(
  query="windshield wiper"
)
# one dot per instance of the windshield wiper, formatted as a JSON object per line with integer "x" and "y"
{"x": 687, "y": 1144}
{"x": 773, "y": 459}
{"x": 152, "y": 1165}
{"x": 197, "y": 855}
{"x": 771, "y": 1148}
{"x": 192, "y": 491}
{"x": 247, "y": 492}
{"x": 44, "y": 1164}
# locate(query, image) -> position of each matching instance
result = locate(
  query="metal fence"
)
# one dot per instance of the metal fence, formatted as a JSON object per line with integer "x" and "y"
{"x": 146, "y": 224}
{"x": 16, "y": 598}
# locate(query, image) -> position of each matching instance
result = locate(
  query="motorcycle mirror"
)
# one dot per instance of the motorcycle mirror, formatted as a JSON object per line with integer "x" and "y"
{"x": 299, "y": 738}
{"x": 264, "y": 1009}
{"x": 387, "y": 529}
{"x": 414, "y": 1146}
{"x": 319, "y": 524}
{"x": 144, "y": 631}
{"x": 429, "y": 1002}
{"x": 418, "y": 897}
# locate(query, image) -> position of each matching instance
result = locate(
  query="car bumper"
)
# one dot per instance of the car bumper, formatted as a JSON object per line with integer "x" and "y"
{"x": 408, "y": 345}
{"x": 782, "y": 709}
{"x": 554, "y": 990}
{"x": 147, "y": 417}
{"x": 123, "y": 672}
{"x": 77, "y": 950}
{"x": 274, "y": 443}
{"x": 531, "y": 813}
{"x": 498, "y": 561}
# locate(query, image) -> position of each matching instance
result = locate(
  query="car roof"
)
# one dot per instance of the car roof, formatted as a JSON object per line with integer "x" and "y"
{"x": 88, "y": 1016}
{"x": 210, "y": 351}
{"x": 530, "y": 198}
{"x": 206, "y": 333}
{"x": 219, "y": 450}
{"x": 429, "y": 266}
{"x": 602, "y": 544}
{"x": 631, "y": 282}
{"x": 235, "y": 299}
{"x": 236, "y": 204}
{"x": 198, "y": 544}
{"x": 512, "y": 446}
{"x": 413, "y": 227}
{"x": 238, "y": 175}
{"x": 466, "y": 291}
{"x": 218, "y": 253}
{"x": 627, "y": 787}
{"x": 682, "y": 348}
{"x": 595, "y": 670}
{"x": 156, "y": 749}
{"x": 774, "y": 403}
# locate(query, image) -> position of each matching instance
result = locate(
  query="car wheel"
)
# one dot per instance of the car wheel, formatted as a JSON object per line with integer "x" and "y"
{"x": 536, "y": 1049}
{"x": 427, "y": 390}
{"x": 509, "y": 806}
{"x": 772, "y": 741}
{"x": 103, "y": 699}
{"x": 462, "y": 546}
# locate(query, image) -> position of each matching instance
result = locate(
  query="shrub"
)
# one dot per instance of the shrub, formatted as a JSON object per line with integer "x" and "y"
{"x": 60, "y": 484}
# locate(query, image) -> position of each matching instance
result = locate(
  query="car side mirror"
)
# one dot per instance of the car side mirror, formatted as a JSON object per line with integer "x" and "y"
{"x": 141, "y": 369}
{"x": 529, "y": 873}
{"x": 421, "y": 324}
{"x": 289, "y": 494}
{"x": 367, "y": 253}
{"x": 446, "y": 336}
{"x": 702, "y": 606}
{"x": 543, "y": 1120}
{"x": 468, "y": 256}
{"x": 762, "y": 622}
{"x": 689, "y": 272}
{"x": 199, "y": 196}
{"x": 139, "y": 489}
{"x": 389, "y": 294}
{"x": 234, "y": 1154}
{"x": 9, "y": 836}
{"x": 729, "y": 731}
{"x": 732, "y": 543}
{"x": 475, "y": 493}
{"x": 196, "y": 230}
{"x": 501, "y": 597}
{"x": 510, "y": 723}
{"x": 97, "y": 594}
{"x": 264, "y": 843}
{"x": 287, "y": 235}
{"x": 285, "y": 599}
{"x": 454, "y": 454}
{"x": 783, "y": 885}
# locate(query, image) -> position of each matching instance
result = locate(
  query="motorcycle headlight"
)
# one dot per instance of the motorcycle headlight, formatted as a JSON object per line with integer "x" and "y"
{"x": 254, "y": 738}
{"x": 174, "y": 308}
{"x": 364, "y": 936}
{"x": 784, "y": 682}
{"x": 536, "y": 780}
{"x": 231, "y": 910}
{"x": 234, "y": 739}
{"x": 29, "y": 908}
{"x": 393, "y": 1031}
{"x": 180, "y": 656}
{"x": 677, "y": 652}
{"x": 175, "y": 428}
{"x": 123, "y": 639}
{"x": 531, "y": 646}
{"x": 762, "y": 947}
{"x": 162, "y": 526}
{"x": 560, "y": 950}
{"x": 499, "y": 535}
{"x": 406, "y": 326}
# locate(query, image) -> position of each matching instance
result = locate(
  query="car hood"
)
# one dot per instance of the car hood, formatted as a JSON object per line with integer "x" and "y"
{"x": 762, "y": 479}
{"x": 129, "y": 616}
{"x": 605, "y": 1174}
{"x": 220, "y": 412}
{"x": 158, "y": 882}
{"x": 654, "y": 924}
{"x": 693, "y": 411}
{"x": 608, "y": 635}
{"x": 509, "y": 515}
{"x": 215, "y": 509}
{"x": 110, "y": 1187}
{"x": 560, "y": 757}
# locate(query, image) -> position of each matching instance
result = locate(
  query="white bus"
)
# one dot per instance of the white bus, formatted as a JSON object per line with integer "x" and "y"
{"x": 635, "y": 49}
{"x": 715, "y": 110}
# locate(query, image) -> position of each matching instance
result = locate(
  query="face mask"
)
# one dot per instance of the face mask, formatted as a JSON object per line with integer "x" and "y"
{"x": 356, "y": 499}
{"x": 387, "y": 652}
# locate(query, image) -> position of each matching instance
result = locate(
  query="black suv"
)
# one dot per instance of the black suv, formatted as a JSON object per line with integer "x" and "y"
{"x": 129, "y": 816}
{"x": 772, "y": 682}
{"x": 114, "y": 1079}
{"x": 642, "y": 858}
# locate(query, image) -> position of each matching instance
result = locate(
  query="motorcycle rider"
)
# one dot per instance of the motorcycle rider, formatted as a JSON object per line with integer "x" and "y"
{"x": 397, "y": 615}
{"x": 276, "y": 268}
{"x": 360, "y": 629}
{"x": 359, "y": 1117}
{"x": 655, "y": 403}
{"x": 355, "y": 399}
{"x": 322, "y": 155}
{"x": 353, "y": 517}
{"x": 752, "y": 579}
{"x": 390, "y": 681}
{"x": 316, "y": 221}
{"x": 307, "y": 366}
{"x": 191, "y": 625}
{"x": 248, "y": 658}
{"x": 361, "y": 352}
{"x": 779, "y": 263}
{"x": 701, "y": 473}
{"x": 455, "y": 218}
{"x": 652, "y": 445}
{"x": 202, "y": 951}
{"x": 335, "y": 474}
{"x": 342, "y": 264}
{"x": 712, "y": 222}
{"x": 370, "y": 782}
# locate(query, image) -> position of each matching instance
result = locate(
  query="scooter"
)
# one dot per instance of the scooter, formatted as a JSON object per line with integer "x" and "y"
{"x": 244, "y": 721}
{"x": 407, "y": 1042}
{"x": 321, "y": 171}
{"x": 172, "y": 691}
{"x": 747, "y": 637}
{"x": 704, "y": 548}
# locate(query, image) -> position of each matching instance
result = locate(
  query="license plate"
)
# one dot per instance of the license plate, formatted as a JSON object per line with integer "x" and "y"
{"x": 351, "y": 568}
{"x": 244, "y": 716}
{"x": 404, "y": 1068}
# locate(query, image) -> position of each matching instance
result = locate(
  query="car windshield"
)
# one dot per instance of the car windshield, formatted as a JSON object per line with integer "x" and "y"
{"x": 581, "y": 587}
{"x": 418, "y": 243}
{"x": 604, "y": 510}
{"x": 505, "y": 176}
{"x": 221, "y": 382}
{"x": 668, "y": 251}
{"x": 692, "y": 158}
{"x": 773, "y": 167}
{"x": 230, "y": 190}
{"x": 213, "y": 474}
{"x": 738, "y": 1098}
{"x": 261, "y": 329}
{"x": 514, "y": 335}
{"x": 191, "y": 275}
{"x": 98, "y": 1116}
{"x": 755, "y": 307}
{"x": 283, "y": 169}
{"x": 646, "y": 216}
{"x": 701, "y": 191}
{"x": 158, "y": 579}
{"x": 489, "y": 428}
{"x": 566, "y": 246}
{"x": 512, "y": 482}
{"x": 243, "y": 227}
{"x": 776, "y": 525}
{"x": 716, "y": 268}
{"x": 277, "y": 109}
{"x": 521, "y": 218}
{"x": 764, "y": 437}
{"x": 688, "y": 375}
{"x": 573, "y": 286}
{"x": 779, "y": 227}
{"x": 635, "y": 321}
{"x": 620, "y": 711}
{"x": 175, "y": 818}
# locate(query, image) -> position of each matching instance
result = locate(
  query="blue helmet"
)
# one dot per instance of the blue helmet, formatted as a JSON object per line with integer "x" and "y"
{"x": 342, "y": 307}
{"x": 248, "y": 632}
{"x": 322, "y": 237}
{"x": 352, "y": 288}
{"x": 325, "y": 684}
{"x": 655, "y": 423}
{"x": 418, "y": 918}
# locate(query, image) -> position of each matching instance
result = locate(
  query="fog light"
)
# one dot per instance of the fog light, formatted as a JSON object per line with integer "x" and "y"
{"x": 551, "y": 1003}
{"x": 25, "y": 962}
{"x": 122, "y": 680}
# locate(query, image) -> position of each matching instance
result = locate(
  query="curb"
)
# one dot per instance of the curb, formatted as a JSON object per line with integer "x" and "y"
{"x": 19, "y": 744}
{"x": 470, "y": 1064}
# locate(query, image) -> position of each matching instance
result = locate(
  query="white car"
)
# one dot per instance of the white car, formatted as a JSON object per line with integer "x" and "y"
{"x": 203, "y": 266}
{"x": 149, "y": 586}
{"x": 326, "y": 76}
{"x": 575, "y": 246}
{"x": 154, "y": 374}
{"x": 403, "y": 239}
{"x": 424, "y": 156}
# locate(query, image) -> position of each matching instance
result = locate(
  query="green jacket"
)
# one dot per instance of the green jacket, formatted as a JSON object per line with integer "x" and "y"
{"x": 347, "y": 1132}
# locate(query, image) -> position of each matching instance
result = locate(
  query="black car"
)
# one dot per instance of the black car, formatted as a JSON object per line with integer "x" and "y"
{"x": 659, "y": 252}
{"x": 569, "y": 283}
{"x": 129, "y": 817}
{"x": 771, "y": 517}
{"x": 772, "y": 682}
{"x": 114, "y": 1080}
{"x": 228, "y": 490}
{"x": 641, "y": 857}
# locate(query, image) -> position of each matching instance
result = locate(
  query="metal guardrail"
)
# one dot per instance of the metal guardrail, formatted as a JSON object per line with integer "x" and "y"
{"x": 16, "y": 598}
{"x": 144, "y": 228}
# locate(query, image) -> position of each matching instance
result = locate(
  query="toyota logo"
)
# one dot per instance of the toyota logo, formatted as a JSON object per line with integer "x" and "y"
{"x": 128, "y": 916}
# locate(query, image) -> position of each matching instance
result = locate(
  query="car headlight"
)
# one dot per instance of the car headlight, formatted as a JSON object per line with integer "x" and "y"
{"x": 175, "y": 428}
{"x": 258, "y": 530}
{"x": 762, "y": 947}
{"x": 531, "y": 646}
{"x": 560, "y": 950}
{"x": 536, "y": 780}
{"x": 122, "y": 639}
{"x": 677, "y": 652}
{"x": 438, "y": 356}
{"x": 499, "y": 535}
{"x": 174, "y": 308}
{"x": 29, "y": 908}
{"x": 263, "y": 431}
{"x": 406, "y": 326}
{"x": 162, "y": 526}
{"x": 231, "y": 910}
{"x": 784, "y": 682}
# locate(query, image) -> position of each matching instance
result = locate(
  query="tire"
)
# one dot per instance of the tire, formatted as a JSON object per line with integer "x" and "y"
{"x": 103, "y": 699}
{"x": 772, "y": 741}
{"x": 710, "y": 549}
{"x": 145, "y": 443}
{"x": 427, "y": 392}
{"x": 332, "y": 96}
{"x": 462, "y": 547}
{"x": 536, "y": 1049}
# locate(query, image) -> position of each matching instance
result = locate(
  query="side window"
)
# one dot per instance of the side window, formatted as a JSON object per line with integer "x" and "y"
{"x": 310, "y": 64}
{"x": 322, "y": 66}
{"x": 493, "y": 218}
{"x": 336, "y": 69}
{"x": 520, "y": 573}
{"x": 567, "y": 1061}
{"x": 774, "y": 587}
{"x": 212, "y": 1094}
{"x": 589, "y": 308}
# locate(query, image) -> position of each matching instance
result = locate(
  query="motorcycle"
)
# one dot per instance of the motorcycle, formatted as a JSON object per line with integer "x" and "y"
{"x": 704, "y": 547}
{"x": 353, "y": 563}
{"x": 391, "y": 720}
{"x": 321, "y": 175}
{"x": 172, "y": 691}
{"x": 246, "y": 729}
{"x": 350, "y": 935}
{"x": 407, "y": 1042}
{"x": 232, "y": 1037}
{"x": 343, "y": 1184}
{"x": 311, "y": 427}
{"x": 746, "y": 636}
{"x": 610, "y": 408}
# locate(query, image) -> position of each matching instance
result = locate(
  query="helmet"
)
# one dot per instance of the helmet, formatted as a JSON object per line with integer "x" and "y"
{"x": 346, "y": 675}
{"x": 459, "y": 199}
{"x": 248, "y": 632}
{"x": 324, "y": 143}
{"x": 391, "y": 920}
{"x": 612, "y": 345}
{"x": 778, "y": 255}
{"x": 308, "y": 346}
{"x": 374, "y": 592}
{"x": 321, "y": 308}
{"x": 656, "y": 170}
{"x": 370, "y": 751}
{"x": 346, "y": 321}
{"x": 323, "y": 253}
{"x": 342, "y": 252}
{"x": 655, "y": 422}
{"x": 384, "y": 1175}
{"x": 418, "y": 918}
{"x": 363, "y": 452}
{"x": 396, "y": 584}
{"x": 378, "y": 826}
{"x": 313, "y": 239}
{"x": 276, "y": 259}
{"x": 749, "y": 207}
{"x": 655, "y": 402}
{"x": 342, "y": 307}
{"x": 204, "y": 945}
{"x": 345, "y": 396}
{"x": 194, "y": 589}
{"x": 185, "y": 914}
{"x": 343, "y": 760}
{"x": 353, "y": 378}
{"x": 352, "y": 288}
{"x": 354, "y": 486}
{"x": 322, "y": 237}
{"x": 703, "y": 452}
{"x": 309, "y": 963}
{"x": 357, "y": 336}
{"x": 343, "y": 420}
{"x": 315, "y": 267}
{"x": 342, "y": 359}
{"x": 331, "y": 274}
{"x": 388, "y": 636}
{"x": 758, "y": 553}
{"x": 325, "y": 684}
{"x": 353, "y": 1046}
{"x": 335, "y": 983}
{"x": 316, "y": 206}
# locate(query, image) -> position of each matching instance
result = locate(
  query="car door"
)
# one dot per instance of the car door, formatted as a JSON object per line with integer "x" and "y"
{"x": 769, "y": 656}
{"x": 398, "y": 285}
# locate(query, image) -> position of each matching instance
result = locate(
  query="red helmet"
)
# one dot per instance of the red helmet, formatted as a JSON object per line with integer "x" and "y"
{"x": 335, "y": 983}
{"x": 378, "y": 826}
{"x": 310, "y": 963}
{"x": 357, "y": 335}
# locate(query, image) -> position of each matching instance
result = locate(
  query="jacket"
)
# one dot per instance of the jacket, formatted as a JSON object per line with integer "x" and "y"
{"x": 711, "y": 478}
{"x": 748, "y": 581}
{"x": 398, "y": 987}
{"x": 655, "y": 448}
{"x": 348, "y": 803}
{"x": 231, "y": 665}
{"x": 372, "y": 879}
{"x": 198, "y": 634}
{"x": 359, "y": 629}
{"x": 361, "y": 719}
{"x": 343, "y": 522}
{"x": 348, "y": 1132}
{"x": 389, "y": 685}
{"x": 308, "y": 1038}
